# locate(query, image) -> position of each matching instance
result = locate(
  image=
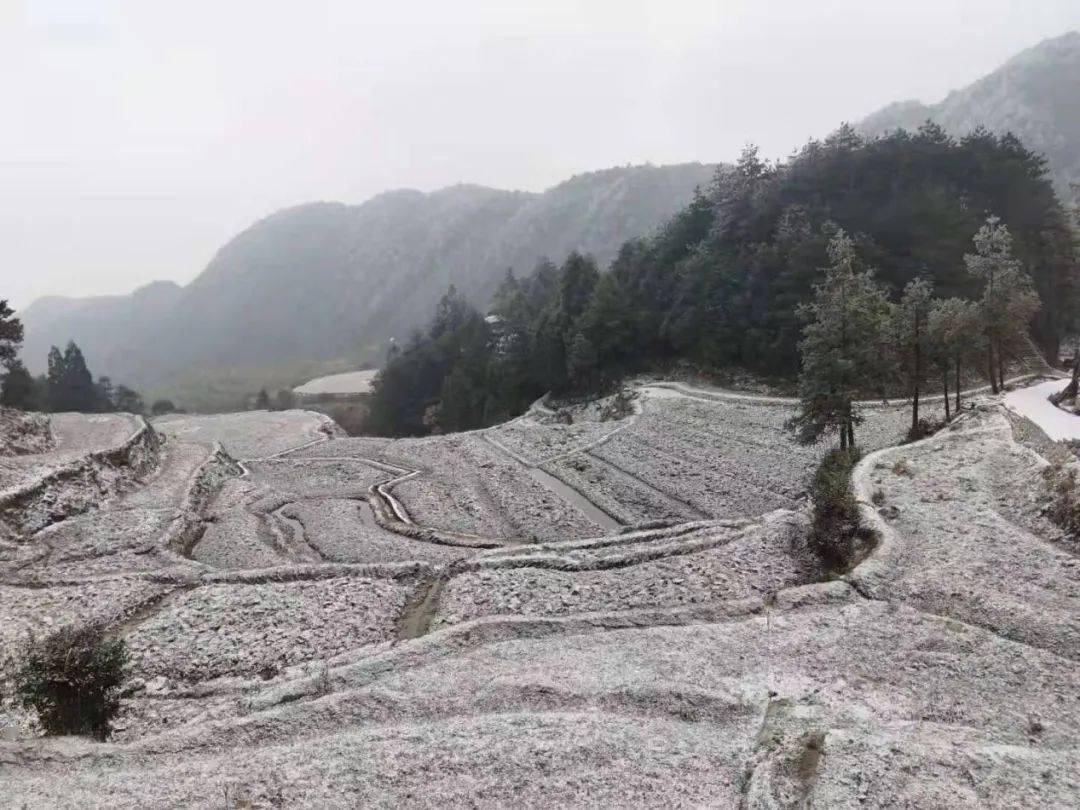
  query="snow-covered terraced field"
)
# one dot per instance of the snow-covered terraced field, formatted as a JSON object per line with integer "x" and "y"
{"x": 316, "y": 478}
{"x": 239, "y": 629}
{"x": 469, "y": 485}
{"x": 969, "y": 538}
{"x": 74, "y": 436}
{"x": 322, "y": 624}
{"x": 248, "y": 435}
{"x": 345, "y": 531}
{"x": 714, "y": 562}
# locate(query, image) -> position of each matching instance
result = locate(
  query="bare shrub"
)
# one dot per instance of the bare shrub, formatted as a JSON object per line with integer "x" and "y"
{"x": 1064, "y": 509}
{"x": 618, "y": 407}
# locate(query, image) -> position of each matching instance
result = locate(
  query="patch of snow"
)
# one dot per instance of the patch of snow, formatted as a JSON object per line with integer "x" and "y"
{"x": 1033, "y": 403}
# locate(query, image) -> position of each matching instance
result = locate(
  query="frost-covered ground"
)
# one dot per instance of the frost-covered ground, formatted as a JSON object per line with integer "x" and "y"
{"x": 70, "y": 437}
{"x": 298, "y": 642}
{"x": 23, "y": 433}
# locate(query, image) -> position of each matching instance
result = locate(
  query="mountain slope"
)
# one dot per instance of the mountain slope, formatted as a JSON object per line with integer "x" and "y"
{"x": 326, "y": 280}
{"x": 1035, "y": 95}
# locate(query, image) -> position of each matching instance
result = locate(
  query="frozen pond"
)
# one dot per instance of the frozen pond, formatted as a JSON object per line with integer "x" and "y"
{"x": 351, "y": 382}
{"x": 1032, "y": 402}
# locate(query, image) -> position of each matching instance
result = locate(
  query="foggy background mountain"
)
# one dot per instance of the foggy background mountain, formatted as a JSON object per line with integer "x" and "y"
{"x": 1035, "y": 95}
{"x": 326, "y": 281}
{"x": 146, "y": 140}
{"x": 139, "y": 138}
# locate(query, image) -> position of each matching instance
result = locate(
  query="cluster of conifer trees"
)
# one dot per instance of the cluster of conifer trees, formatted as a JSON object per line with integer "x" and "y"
{"x": 856, "y": 341}
{"x": 727, "y": 282}
{"x": 68, "y": 385}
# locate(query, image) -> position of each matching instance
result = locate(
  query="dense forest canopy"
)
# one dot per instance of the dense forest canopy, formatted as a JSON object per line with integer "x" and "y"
{"x": 721, "y": 284}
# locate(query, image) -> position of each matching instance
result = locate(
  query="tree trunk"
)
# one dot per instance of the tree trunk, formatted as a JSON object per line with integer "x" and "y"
{"x": 958, "y": 386}
{"x": 990, "y": 365}
{"x": 1070, "y": 390}
{"x": 1001, "y": 367}
{"x": 945, "y": 387}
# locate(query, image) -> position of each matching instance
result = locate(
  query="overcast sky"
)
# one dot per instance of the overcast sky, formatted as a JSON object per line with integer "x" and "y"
{"x": 137, "y": 136}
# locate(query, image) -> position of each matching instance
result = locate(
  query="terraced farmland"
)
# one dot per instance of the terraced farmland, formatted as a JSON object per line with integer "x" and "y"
{"x": 599, "y": 613}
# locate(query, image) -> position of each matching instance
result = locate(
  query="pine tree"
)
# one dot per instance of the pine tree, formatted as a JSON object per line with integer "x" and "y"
{"x": 1008, "y": 298}
{"x": 11, "y": 334}
{"x": 608, "y": 324}
{"x": 80, "y": 393}
{"x": 842, "y": 346}
{"x": 55, "y": 380}
{"x": 18, "y": 389}
{"x": 578, "y": 278}
{"x": 450, "y": 313}
{"x": 955, "y": 327}
{"x": 581, "y": 363}
{"x": 262, "y": 400}
{"x": 910, "y": 339}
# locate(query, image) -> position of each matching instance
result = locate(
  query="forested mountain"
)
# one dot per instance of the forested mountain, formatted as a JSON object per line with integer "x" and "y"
{"x": 1035, "y": 95}
{"x": 327, "y": 280}
{"x": 722, "y": 283}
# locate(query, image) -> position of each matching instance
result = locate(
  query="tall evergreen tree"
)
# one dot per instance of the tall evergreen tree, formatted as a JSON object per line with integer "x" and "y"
{"x": 581, "y": 363}
{"x": 910, "y": 339}
{"x": 842, "y": 346}
{"x": 18, "y": 389}
{"x": 78, "y": 392}
{"x": 1008, "y": 298}
{"x": 956, "y": 338}
{"x": 11, "y": 334}
{"x": 55, "y": 380}
{"x": 70, "y": 384}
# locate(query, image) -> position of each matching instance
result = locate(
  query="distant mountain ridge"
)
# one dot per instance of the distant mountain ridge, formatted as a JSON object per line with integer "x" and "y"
{"x": 1035, "y": 95}
{"x": 327, "y": 280}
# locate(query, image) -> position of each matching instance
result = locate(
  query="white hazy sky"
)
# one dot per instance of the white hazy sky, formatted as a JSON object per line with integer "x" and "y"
{"x": 137, "y": 136}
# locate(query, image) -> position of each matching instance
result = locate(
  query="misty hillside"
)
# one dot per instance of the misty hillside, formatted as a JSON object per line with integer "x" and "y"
{"x": 325, "y": 280}
{"x": 1035, "y": 95}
